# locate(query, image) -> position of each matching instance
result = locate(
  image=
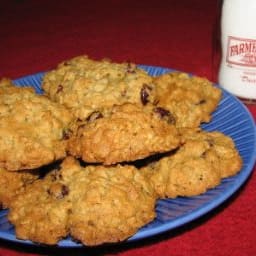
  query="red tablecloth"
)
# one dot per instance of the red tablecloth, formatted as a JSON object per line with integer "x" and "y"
{"x": 35, "y": 35}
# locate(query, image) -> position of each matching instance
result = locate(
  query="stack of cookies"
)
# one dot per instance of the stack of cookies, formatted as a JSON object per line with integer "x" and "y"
{"x": 91, "y": 156}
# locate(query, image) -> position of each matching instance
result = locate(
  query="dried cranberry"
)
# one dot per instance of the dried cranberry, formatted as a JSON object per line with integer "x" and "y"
{"x": 64, "y": 191}
{"x": 203, "y": 155}
{"x": 201, "y": 102}
{"x": 58, "y": 190}
{"x": 165, "y": 114}
{"x": 210, "y": 141}
{"x": 66, "y": 134}
{"x": 144, "y": 93}
{"x": 59, "y": 89}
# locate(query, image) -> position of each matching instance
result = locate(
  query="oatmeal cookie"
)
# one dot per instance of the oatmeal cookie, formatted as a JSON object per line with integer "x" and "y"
{"x": 86, "y": 86}
{"x": 13, "y": 183}
{"x": 40, "y": 213}
{"x": 93, "y": 204}
{"x": 32, "y": 128}
{"x": 118, "y": 201}
{"x": 198, "y": 165}
{"x": 191, "y": 100}
{"x": 187, "y": 172}
{"x": 126, "y": 133}
{"x": 222, "y": 147}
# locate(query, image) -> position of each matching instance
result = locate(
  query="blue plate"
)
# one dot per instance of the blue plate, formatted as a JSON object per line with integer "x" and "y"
{"x": 232, "y": 118}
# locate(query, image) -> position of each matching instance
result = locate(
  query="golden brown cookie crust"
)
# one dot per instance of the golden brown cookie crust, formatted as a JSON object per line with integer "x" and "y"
{"x": 13, "y": 183}
{"x": 118, "y": 201}
{"x": 32, "y": 128}
{"x": 185, "y": 173}
{"x": 198, "y": 165}
{"x": 85, "y": 85}
{"x": 191, "y": 100}
{"x": 222, "y": 147}
{"x": 95, "y": 205}
{"x": 128, "y": 133}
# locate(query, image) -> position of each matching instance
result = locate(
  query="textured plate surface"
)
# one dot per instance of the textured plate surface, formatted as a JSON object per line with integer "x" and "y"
{"x": 232, "y": 118}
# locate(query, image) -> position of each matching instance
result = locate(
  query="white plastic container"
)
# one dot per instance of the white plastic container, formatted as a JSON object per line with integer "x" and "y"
{"x": 237, "y": 73}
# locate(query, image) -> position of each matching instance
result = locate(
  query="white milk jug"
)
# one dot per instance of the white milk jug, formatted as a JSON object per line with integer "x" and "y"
{"x": 237, "y": 72}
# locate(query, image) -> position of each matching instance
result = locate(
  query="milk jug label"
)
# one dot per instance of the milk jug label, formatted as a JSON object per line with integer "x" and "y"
{"x": 241, "y": 51}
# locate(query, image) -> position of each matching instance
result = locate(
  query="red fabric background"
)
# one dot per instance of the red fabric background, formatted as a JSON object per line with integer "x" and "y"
{"x": 35, "y": 35}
